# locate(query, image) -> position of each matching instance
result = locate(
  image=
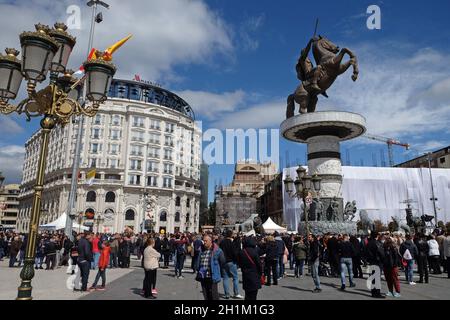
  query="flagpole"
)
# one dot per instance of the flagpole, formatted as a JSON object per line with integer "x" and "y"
{"x": 76, "y": 162}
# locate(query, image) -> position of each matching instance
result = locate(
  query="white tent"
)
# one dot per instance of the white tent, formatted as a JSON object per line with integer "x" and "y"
{"x": 270, "y": 227}
{"x": 60, "y": 223}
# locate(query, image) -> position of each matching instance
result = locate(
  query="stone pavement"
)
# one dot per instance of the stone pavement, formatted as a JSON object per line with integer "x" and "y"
{"x": 126, "y": 284}
{"x": 169, "y": 288}
{"x": 47, "y": 285}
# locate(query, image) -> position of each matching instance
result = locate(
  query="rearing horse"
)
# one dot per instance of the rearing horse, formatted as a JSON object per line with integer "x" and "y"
{"x": 329, "y": 58}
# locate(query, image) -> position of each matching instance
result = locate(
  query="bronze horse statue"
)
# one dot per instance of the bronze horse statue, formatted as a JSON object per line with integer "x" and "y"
{"x": 317, "y": 80}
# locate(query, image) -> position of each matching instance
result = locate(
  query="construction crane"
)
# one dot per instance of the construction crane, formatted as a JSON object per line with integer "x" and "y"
{"x": 390, "y": 142}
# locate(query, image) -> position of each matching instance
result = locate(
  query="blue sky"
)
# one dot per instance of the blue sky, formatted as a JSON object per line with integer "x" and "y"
{"x": 234, "y": 62}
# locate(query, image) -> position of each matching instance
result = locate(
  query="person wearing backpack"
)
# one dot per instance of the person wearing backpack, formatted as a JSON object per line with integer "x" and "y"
{"x": 409, "y": 252}
{"x": 180, "y": 250}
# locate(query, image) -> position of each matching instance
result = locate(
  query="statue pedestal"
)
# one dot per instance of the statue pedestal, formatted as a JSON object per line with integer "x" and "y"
{"x": 322, "y": 132}
{"x": 324, "y": 227}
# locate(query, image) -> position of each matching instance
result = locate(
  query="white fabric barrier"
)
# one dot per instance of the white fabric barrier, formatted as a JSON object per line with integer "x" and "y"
{"x": 381, "y": 192}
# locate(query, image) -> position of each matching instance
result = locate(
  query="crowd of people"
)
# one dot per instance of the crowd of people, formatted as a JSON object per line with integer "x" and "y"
{"x": 263, "y": 260}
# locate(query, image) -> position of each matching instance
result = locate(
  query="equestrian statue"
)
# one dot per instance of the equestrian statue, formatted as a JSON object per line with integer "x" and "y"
{"x": 316, "y": 80}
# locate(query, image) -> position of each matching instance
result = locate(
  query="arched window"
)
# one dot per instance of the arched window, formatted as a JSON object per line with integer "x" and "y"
{"x": 177, "y": 217}
{"x": 129, "y": 215}
{"x": 188, "y": 203}
{"x": 163, "y": 216}
{"x": 178, "y": 202}
{"x": 91, "y": 196}
{"x": 110, "y": 197}
{"x": 187, "y": 217}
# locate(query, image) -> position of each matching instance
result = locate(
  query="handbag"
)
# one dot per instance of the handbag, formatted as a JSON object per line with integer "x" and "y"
{"x": 263, "y": 277}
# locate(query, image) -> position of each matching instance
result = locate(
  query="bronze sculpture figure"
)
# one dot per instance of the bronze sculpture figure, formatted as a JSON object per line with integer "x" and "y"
{"x": 316, "y": 80}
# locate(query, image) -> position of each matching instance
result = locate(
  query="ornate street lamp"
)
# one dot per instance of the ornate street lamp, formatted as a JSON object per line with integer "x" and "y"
{"x": 47, "y": 50}
{"x": 301, "y": 188}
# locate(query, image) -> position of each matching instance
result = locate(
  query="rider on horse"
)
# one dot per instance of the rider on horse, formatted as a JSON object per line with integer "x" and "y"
{"x": 306, "y": 71}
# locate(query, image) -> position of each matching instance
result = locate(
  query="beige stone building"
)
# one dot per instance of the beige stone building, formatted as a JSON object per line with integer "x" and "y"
{"x": 9, "y": 205}
{"x": 143, "y": 140}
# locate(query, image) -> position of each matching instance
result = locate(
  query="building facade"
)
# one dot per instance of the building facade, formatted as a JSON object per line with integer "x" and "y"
{"x": 271, "y": 201}
{"x": 144, "y": 140}
{"x": 237, "y": 201}
{"x": 439, "y": 159}
{"x": 9, "y": 205}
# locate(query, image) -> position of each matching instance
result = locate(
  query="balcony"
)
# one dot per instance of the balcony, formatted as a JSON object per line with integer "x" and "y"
{"x": 140, "y": 139}
{"x": 136, "y": 168}
{"x": 138, "y": 125}
{"x": 114, "y": 138}
{"x": 155, "y": 127}
{"x": 136, "y": 153}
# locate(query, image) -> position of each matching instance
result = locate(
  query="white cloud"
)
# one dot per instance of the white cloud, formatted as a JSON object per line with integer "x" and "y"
{"x": 265, "y": 115}
{"x": 166, "y": 33}
{"x": 11, "y": 162}
{"x": 213, "y": 105}
{"x": 9, "y": 126}
{"x": 248, "y": 30}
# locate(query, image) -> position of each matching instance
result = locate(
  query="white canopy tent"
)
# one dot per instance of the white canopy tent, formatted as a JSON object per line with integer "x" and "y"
{"x": 60, "y": 223}
{"x": 270, "y": 227}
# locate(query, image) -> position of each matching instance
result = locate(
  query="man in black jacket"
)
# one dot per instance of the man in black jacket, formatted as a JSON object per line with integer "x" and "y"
{"x": 85, "y": 258}
{"x": 346, "y": 253}
{"x": 230, "y": 267}
{"x": 314, "y": 260}
{"x": 375, "y": 258}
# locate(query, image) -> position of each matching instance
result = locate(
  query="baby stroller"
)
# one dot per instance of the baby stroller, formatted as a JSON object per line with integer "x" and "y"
{"x": 324, "y": 270}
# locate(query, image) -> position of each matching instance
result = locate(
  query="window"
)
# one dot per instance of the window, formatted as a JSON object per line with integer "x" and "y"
{"x": 167, "y": 182}
{"x": 153, "y": 152}
{"x": 138, "y": 122}
{"x": 177, "y": 201}
{"x": 115, "y": 134}
{"x": 155, "y": 124}
{"x": 93, "y": 163}
{"x": 129, "y": 215}
{"x": 152, "y": 166}
{"x": 135, "y": 164}
{"x": 95, "y": 133}
{"x": 116, "y": 120}
{"x": 98, "y": 119}
{"x": 134, "y": 179}
{"x": 136, "y": 150}
{"x": 187, "y": 217}
{"x": 163, "y": 216}
{"x": 113, "y": 163}
{"x": 169, "y": 141}
{"x": 170, "y": 127}
{"x": 110, "y": 197}
{"x": 155, "y": 138}
{"x": 188, "y": 203}
{"x": 137, "y": 136}
{"x": 114, "y": 148}
{"x": 91, "y": 196}
{"x": 96, "y": 147}
{"x": 152, "y": 181}
{"x": 168, "y": 168}
{"x": 167, "y": 154}
{"x": 442, "y": 160}
{"x": 177, "y": 217}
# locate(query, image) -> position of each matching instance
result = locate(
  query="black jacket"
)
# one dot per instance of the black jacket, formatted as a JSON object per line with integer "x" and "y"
{"x": 251, "y": 267}
{"x": 229, "y": 250}
{"x": 271, "y": 251}
{"x": 346, "y": 249}
{"x": 391, "y": 258}
{"x": 85, "y": 250}
{"x": 422, "y": 248}
{"x": 375, "y": 252}
{"x": 314, "y": 251}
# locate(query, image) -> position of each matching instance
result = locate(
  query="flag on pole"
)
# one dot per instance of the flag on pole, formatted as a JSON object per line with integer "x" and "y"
{"x": 90, "y": 176}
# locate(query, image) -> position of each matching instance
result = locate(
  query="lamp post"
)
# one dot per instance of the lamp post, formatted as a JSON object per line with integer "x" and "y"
{"x": 43, "y": 51}
{"x": 301, "y": 188}
{"x": 434, "y": 199}
{"x": 97, "y": 221}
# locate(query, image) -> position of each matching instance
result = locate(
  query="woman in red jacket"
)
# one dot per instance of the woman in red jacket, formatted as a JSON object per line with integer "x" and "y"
{"x": 103, "y": 263}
